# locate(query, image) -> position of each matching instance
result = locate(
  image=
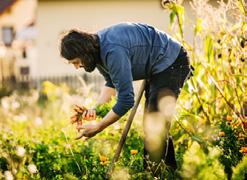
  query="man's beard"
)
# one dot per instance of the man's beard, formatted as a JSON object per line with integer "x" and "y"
{"x": 90, "y": 68}
{"x": 89, "y": 63}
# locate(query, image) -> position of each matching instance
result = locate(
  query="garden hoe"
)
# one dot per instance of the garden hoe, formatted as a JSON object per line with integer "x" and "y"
{"x": 126, "y": 130}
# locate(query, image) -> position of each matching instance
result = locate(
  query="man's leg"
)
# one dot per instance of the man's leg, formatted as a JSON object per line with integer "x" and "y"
{"x": 161, "y": 97}
{"x": 166, "y": 105}
{"x": 153, "y": 130}
{"x": 157, "y": 122}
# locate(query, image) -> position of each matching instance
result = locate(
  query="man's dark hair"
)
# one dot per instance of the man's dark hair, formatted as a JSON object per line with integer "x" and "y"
{"x": 82, "y": 45}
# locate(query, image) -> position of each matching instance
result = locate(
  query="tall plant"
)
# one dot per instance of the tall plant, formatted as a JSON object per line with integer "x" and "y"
{"x": 212, "y": 107}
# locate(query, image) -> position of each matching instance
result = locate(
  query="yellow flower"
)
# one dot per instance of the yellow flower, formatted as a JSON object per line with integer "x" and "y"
{"x": 133, "y": 151}
{"x": 103, "y": 158}
{"x": 48, "y": 87}
{"x": 221, "y": 134}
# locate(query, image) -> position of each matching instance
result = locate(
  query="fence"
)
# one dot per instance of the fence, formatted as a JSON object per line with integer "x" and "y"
{"x": 72, "y": 81}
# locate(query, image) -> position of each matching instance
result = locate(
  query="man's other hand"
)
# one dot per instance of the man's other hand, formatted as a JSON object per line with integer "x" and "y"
{"x": 89, "y": 130}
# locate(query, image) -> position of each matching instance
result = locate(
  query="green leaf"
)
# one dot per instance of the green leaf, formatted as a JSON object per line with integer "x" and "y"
{"x": 244, "y": 27}
{"x": 172, "y": 16}
{"x": 241, "y": 6}
{"x": 180, "y": 12}
{"x": 198, "y": 27}
{"x": 197, "y": 139}
{"x": 208, "y": 48}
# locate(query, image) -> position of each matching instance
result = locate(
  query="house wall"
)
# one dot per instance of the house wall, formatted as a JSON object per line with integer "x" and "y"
{"x": 19, "y": 15}
{"x": 55, "y": 17}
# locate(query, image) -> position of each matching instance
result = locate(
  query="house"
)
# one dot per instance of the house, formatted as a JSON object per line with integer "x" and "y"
{"x": 15, "y": 17}
{"x": 40, "y": 24}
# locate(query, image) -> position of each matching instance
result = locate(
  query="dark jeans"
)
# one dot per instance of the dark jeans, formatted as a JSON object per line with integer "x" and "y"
{"x": 170, "y": 81}
{"x": 171, "y": 78}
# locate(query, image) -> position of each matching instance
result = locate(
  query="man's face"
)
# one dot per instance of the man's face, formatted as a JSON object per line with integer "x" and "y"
{"x": 77, "y": 63}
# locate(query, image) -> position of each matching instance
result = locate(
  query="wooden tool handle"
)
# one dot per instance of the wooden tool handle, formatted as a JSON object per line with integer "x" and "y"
{"x": 127, "y": 128}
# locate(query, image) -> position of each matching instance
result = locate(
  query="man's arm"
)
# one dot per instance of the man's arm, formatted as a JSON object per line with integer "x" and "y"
{"x": 91, "y": 130}
{"x": 104, "y": 97}
{"x": 120, "y": 72}
{"x": 109, "y": 119}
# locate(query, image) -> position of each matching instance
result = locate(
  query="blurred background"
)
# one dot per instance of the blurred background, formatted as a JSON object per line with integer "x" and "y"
{"x": 31, "y": 30}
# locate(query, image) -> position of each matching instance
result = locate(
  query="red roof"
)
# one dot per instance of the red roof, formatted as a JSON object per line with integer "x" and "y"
{"x": 6, "y": 4}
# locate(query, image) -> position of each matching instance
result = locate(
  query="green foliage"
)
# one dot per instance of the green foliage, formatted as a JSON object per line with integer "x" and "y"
{"x": 198, "y": 27}
{"x": 211, "y": 105}
{"x": 198, "y": 165}
{"x": 134, "y": 162}
{"x": 209, "y": 49}
{"x": 230, "y": 147}
{"x": 5, "y": 92}
{"x": 58, "y": 156}
{"x": 177, "y": 11}
{"x": 49, "y": 146}
{"x": 239, "y": 172}
{"x": 53, "y": 157}
{"x": 103, "y": 109}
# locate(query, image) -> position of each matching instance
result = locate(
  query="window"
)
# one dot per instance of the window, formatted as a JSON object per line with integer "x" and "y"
{"x": 8, "y": 35}
{"x": 24, "y": 70}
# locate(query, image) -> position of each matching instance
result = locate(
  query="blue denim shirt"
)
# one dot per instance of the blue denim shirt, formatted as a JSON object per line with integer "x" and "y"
{"x": 133, "y": 51}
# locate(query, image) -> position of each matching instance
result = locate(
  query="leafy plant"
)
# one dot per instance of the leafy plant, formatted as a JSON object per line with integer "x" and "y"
{"x": 211, "y": 105}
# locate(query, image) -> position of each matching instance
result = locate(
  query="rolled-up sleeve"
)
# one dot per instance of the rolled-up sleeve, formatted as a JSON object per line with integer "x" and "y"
{"x": 119, "y": 66}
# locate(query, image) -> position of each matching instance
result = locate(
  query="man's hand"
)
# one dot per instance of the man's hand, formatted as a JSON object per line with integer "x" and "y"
{"x": 77, "y": 115}
{"x": 89, "y": 130}
{"x": 81, "y": 114}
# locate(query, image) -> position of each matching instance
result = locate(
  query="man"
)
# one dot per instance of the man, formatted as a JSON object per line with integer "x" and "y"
{"x": 123, "y": 53}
